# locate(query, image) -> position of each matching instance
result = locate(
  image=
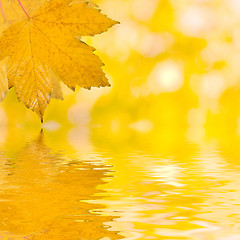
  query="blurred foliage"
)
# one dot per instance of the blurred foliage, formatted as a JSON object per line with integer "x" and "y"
{"x": 169, "y": 62}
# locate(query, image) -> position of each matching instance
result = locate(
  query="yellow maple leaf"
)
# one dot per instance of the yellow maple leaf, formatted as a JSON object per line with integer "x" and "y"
{"x": 12, "y": 11}
{"x": 49, "y": 41}
{"x": 3, "y": 79}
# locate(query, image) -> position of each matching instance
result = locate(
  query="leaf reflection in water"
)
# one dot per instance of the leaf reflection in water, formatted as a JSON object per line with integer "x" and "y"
{"x": 43, "y": 196}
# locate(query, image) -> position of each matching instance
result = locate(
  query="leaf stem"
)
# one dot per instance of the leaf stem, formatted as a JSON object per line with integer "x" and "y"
{"x": 2, "y": 11}
{"x": 23, "y": 9}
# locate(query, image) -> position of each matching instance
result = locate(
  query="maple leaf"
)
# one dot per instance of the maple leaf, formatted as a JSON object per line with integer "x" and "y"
{"x": 12, "y": 11}
{"x": 49, "y": 41}
{"x": 3, "y": 79}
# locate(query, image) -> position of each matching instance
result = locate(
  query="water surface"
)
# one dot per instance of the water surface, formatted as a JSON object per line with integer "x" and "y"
{"x": 76, "y": 186}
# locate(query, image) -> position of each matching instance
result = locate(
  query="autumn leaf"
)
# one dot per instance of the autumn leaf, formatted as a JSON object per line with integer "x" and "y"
{"x": 49, "y": 41}
{"x": 56, "y": 87}
{"x": 12, "y": 11}
{"x": 3, "y": 79}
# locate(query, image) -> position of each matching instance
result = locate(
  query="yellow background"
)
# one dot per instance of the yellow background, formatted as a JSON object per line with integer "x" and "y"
{"x": 169, "y": 62}
{"x": 169, "y": 128}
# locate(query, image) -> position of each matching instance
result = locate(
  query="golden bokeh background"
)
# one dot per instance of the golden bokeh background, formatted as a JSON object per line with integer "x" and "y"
{"x": 169, "y": 62}
{"x": 168, "y": 130}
